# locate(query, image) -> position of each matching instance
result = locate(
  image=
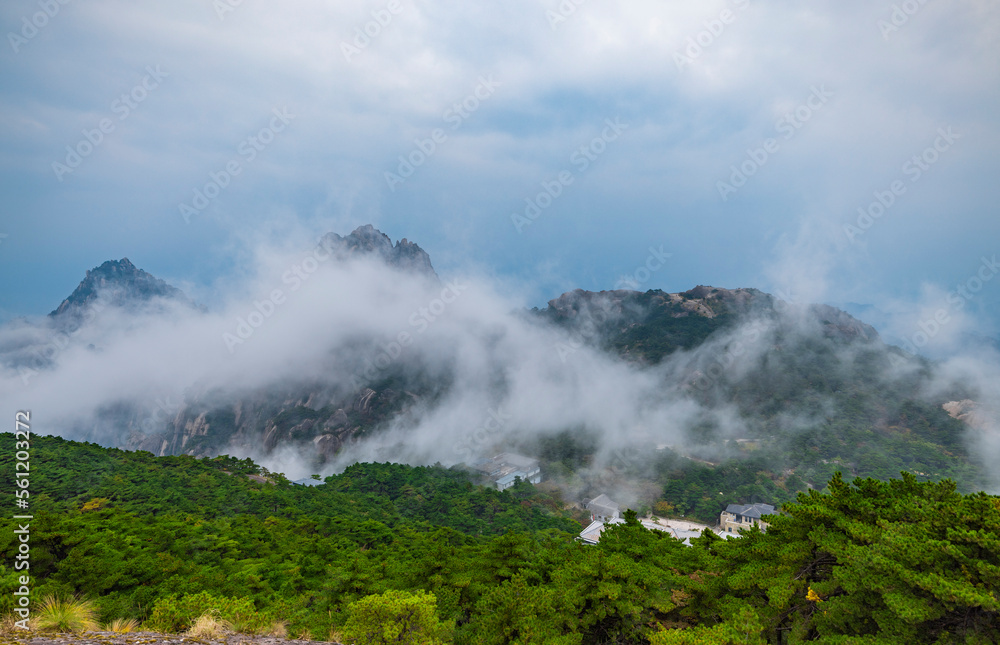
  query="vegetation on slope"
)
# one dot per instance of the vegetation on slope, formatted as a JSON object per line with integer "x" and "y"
{"x": 164, "y": 540}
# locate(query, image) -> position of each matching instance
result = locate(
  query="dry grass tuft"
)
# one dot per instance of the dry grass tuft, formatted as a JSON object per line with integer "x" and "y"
{"x": 7, "y": 626}
{"x": 208, "y": 626}
{"x": 122, "y": 625}
{"x": 278, "y": 629}
{"x": 62, "y": 615}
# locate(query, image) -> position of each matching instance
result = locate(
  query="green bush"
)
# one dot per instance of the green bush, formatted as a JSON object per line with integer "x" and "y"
{"x": 395, "y": 617}
{"x": 174, "y": 614}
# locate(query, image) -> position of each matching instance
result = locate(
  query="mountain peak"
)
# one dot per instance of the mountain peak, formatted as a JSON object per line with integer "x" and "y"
{"x": 655, "y": 323}
{"x": 368, "y": 240}
{"x": 113, "y": 267}
{"x": 121, "y": 282}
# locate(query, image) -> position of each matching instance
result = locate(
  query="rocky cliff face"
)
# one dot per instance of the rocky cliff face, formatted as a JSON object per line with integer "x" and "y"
{"x": 265, "y": 421}
{"x": 974, "y": 415}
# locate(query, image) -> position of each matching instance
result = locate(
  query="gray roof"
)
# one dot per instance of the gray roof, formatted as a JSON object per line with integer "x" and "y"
{"x": 308, "y": 481}
{"x": 754, "y": 511}
{"x": 592, "y": 534}
{"x": 509, "y": 479}
{"x": 520, "y": 461}
{"x": 602, "y": 501}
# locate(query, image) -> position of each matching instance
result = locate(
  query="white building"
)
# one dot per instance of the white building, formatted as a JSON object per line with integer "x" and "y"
{"x": 603, "y": 509}
{"x": 684, "y": 533}
{"x": 505, "y": 468}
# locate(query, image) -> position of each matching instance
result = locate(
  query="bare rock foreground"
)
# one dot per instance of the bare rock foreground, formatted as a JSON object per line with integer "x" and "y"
{"x": 145, "y": 638}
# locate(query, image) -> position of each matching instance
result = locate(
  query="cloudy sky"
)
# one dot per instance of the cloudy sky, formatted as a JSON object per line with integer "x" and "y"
{"x": 548, "y": 145}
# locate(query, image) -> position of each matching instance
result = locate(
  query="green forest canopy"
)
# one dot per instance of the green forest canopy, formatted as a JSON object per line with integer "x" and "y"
{"x": 146, "y": 537}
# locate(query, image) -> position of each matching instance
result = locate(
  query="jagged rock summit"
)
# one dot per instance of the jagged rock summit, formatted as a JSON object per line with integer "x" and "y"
{"x": 654, "y": 323}
{"x": 368, "y": 240}
{"x": 121, "y": 284}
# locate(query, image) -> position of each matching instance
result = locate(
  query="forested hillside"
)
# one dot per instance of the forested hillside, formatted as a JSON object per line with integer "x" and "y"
{"x": 164, "y": 539}
{"x": 789, "y": 397}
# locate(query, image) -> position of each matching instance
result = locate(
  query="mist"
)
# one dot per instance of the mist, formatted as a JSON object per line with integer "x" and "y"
{"x": 500, "y": 377}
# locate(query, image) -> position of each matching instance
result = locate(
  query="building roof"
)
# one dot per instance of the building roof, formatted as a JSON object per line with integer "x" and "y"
{"x": 754, "y": 511}
{"x": 308, "y": 481}
{"x": 603, "y": 505}
{"x": 509, "y": 478}
{"x": 520, "y": 461}
{"x": 502, "y": 466}
{"x": 592, "y": 534}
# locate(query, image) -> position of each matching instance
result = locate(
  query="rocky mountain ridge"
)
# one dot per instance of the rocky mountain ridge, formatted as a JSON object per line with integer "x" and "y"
{"x": 812, "y": 363}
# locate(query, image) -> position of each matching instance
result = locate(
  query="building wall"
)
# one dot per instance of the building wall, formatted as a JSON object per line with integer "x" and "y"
{"x": 732, "y": 523}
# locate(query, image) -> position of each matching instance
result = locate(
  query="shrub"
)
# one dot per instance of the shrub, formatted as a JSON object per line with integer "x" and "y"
{"x": 395, "y": 617}
{"x": 174, "y": 614}
{"x": 61, "y": 615}
{"x": 209, "y": 626}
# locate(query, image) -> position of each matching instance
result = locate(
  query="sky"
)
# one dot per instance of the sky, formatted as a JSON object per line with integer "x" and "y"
{"x": 839, "y": 152}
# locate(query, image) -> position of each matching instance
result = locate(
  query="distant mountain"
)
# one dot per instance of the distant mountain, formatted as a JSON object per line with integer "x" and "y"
{"x": 806, "y": 389}
{"x": 261, "y": 419}
{"x": 972, "y": 341}
{"x": 810, "y": 395}
{"x": 367, "y": 240}
{"x": 652, "y": 325}
{"x": 120, "y": 283}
